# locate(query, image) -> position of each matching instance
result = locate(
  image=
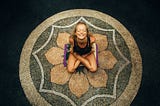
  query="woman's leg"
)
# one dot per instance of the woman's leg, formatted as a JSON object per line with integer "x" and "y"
{"x": 92, "y": 60}
{"x": 89, "y": 61}
{"x": 73, "y": 63}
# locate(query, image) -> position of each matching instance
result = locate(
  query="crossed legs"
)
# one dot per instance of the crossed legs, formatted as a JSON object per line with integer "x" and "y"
{"x": 88, "y": 61}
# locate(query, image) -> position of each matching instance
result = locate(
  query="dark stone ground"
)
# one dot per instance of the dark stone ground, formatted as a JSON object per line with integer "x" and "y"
{"x": 19, "y": 18}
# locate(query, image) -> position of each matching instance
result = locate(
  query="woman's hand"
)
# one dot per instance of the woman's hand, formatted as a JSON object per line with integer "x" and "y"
{"x": 71, "y": 50}
{"x": 85, "y": 55}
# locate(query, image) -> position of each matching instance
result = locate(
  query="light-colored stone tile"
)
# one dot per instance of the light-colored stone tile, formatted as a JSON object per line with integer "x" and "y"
{"x": 54, "y": 55}
{"x": 106, "y": 60}
{"x": 59, "y": 74}
{"x": 78, "y": 84}
{"x": 97, "y": 79}
{"x": 101, "y": 41}
{"x": 62, "y": 39}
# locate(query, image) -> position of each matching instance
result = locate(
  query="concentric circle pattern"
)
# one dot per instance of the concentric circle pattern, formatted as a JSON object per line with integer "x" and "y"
{"x": 45, "y": 79}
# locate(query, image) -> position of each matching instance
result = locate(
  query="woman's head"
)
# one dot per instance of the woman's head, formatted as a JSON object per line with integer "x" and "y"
{"x": 81, "y": 30}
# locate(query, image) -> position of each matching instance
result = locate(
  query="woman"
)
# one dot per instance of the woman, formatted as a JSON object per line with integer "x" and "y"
{"x": 81, "y": 49}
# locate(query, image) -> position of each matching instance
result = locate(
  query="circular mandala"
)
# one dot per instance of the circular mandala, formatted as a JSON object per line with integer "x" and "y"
{"x": 44, "y": 76}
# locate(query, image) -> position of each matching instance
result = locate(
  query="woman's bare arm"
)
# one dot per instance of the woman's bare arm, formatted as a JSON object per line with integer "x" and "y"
{"x": 71, "y": 41}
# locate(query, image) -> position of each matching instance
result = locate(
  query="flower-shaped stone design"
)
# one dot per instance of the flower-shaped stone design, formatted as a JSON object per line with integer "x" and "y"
{"x": 79, "y": 82}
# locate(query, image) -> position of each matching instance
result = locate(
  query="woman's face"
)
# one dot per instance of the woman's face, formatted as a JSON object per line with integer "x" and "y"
{"x": 81, "y": 31}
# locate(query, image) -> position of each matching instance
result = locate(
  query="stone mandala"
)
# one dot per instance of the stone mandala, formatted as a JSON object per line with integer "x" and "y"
{"x": 45, "y": 79}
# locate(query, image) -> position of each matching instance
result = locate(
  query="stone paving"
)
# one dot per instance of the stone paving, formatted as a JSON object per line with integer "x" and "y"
{"x": 57, "y": 87}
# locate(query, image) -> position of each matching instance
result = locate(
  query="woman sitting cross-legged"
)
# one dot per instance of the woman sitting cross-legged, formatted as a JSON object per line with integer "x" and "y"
{"x": 81, "y": 51}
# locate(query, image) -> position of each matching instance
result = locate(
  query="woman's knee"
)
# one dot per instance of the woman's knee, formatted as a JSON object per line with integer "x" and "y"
{"x": 93, "y": 69}
{"x": 70, "y": 69}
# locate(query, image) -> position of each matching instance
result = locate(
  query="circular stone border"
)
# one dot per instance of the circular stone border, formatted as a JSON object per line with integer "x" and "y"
{"x": 136, "y": 73}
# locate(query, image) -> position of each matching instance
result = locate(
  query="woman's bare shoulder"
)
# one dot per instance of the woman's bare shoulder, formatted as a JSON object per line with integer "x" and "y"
{"x": 71, "y": 41}
{"x": 93, "y": 39}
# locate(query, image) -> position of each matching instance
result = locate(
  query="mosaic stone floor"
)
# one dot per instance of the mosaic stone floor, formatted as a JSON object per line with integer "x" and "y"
{"x": 57, "y": 86}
